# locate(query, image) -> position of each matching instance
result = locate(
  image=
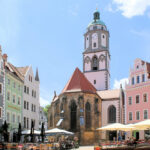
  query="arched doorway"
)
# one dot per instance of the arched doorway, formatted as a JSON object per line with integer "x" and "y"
{"x": 73, "y": 116}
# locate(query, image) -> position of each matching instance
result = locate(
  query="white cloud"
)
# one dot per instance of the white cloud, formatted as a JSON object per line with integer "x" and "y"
{"x": 131, "y": 8}
{"x": 44, "y": 102}
{"x": 118, "y": 82}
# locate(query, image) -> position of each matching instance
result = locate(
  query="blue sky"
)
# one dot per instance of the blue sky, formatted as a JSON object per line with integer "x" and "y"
{"x": 49, "y": 35}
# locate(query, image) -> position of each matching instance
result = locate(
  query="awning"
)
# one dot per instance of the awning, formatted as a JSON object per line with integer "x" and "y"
{"x": 59, "y": 122}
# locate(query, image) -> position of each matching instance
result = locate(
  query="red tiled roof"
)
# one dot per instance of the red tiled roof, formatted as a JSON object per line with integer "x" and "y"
{"x": 78, "y": 82}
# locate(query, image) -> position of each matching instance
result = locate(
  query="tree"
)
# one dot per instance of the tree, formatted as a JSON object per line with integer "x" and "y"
{"x": 46, "y": 110}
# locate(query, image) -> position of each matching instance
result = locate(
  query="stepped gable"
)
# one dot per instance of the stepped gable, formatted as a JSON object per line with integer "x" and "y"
{"x": 78, "y": 82}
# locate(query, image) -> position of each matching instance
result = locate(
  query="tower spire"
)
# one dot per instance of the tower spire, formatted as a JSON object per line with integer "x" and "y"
{"x": 37, "y": 75}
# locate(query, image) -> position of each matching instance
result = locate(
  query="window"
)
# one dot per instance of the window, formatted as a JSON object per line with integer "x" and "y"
{"x": 24, "y": 104}
{"x": 95, "y": 63}
{"x": 94, "y": 44}
{"x": 19, "y": 87}
{"x": 0, "y": 88}
{"x": 27, "y": 105}
{"x": 24, "y": 122}
{"x": 130, "y": 100}
{"x": 137, "y": 99}
{"x": 14, "y": 85}
{"x": 137, "y": 115}
{"x": 145, "y": 114}
{"x": 18, "y": 119}
{"x": 13, "y": 118}
{"x": 14, "y": 98}
{"x": 88, "y": 115}
{"x": 29, "y": 77}
{"x": 145, "y": 97}
{"x": 27, "y": 123}
{"x": 8, "y": 117}
{"x": 32, "y": 93}
{"x": 35, "y": 94}
{"x": 132, "y": 80}
{"x": 112, "y": 114}
{"x": 19, "y": 100}
{"x": 130, "y": 116}
{"x": 25, "y": 89}
{"x": 137, "y": 79}
{"x": 143, "y": 77}
{"x": 8, "y": 96}
{"x": 8, "y": 82}
{"x": 0, "y": 112}
{"x": 32, "y": 107}
{"x": 94, "y": 81}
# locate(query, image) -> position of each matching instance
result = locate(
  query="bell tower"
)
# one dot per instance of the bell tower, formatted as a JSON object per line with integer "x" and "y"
{"x": 96, "y": 57}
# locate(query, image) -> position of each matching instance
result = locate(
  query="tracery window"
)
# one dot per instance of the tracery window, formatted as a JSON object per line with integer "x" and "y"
{"x": 88, "y": 115}
{"x": 51, "y": 121}
{"x": 112, "y": 114}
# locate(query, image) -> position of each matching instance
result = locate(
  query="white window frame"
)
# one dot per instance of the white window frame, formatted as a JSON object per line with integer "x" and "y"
{"x": 136, "y": 116}
{"x": 19, "y": 121}
{"x": 146, "y": 97}
{"x": 135, "y": 99}
{"x": 129, "y": 116}
{"x": 9, "y": 116}
{"x": 18, "y": 100}
{"x": 147, "y": 114}
{"x": 15, "y": 98}
{"x": 131, "y": 100}
{"x": 8, "y": 91}
{"x": 13, "y": 121}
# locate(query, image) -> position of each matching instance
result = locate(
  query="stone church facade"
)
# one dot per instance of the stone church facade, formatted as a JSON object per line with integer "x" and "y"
{"x": 87, "y": 103}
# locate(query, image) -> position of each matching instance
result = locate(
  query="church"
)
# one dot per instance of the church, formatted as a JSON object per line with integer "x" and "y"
{"x": 86, "y": 102}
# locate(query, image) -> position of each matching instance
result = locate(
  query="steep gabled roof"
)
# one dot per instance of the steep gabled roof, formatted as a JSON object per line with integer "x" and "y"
{"x": 23, "y": 70}
{"x": 78, "y": 82}
{"x": 14, "y": 70}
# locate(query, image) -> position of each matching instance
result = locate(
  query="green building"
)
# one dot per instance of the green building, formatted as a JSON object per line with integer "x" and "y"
{"x": 13, "y": 98}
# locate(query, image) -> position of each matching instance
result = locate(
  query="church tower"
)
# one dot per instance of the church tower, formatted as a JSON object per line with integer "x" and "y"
{"x": 96, "y": 57}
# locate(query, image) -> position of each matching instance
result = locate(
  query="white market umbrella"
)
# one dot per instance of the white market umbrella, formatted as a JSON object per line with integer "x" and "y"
{"x": 143, "y": 125}
{"x": 27, "y": 132}
{"x": 115, "y": 127}
{"x": 58, "y": 131}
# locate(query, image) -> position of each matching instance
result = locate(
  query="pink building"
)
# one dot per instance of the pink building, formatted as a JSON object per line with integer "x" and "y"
{"x": 138, "y": 95}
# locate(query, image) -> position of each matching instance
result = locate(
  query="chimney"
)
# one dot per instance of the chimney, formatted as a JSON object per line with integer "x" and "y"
{"x": 5, "y": 59}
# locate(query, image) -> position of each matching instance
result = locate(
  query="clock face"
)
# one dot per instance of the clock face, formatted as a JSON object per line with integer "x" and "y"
{"x": 94, "y": 36}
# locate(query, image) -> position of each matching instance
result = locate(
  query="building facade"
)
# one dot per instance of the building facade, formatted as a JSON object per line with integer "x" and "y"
{"x": 113, "y": 110}
{"x": 96, "y": 57}
{"x": 77, "y": 109}
{"x": 42, "y": 118}
{"x": 138, "y": 94}
{"x": 13, "y": 98}
{"x": 31, "y": 92}
{"x": 2, "y": 88}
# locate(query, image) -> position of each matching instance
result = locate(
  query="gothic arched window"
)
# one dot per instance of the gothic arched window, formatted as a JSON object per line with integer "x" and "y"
{"x": 88, "y": 115}
{"x": 51, "y": 121}
{"x": 94, "y": 63}
{"x": 112, "y": 114}
{"x": 73, "y": 116}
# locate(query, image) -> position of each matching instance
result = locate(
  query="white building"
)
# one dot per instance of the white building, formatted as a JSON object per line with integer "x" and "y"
{"x": 31, "y": 92}
{"x": 42, "y": 118}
